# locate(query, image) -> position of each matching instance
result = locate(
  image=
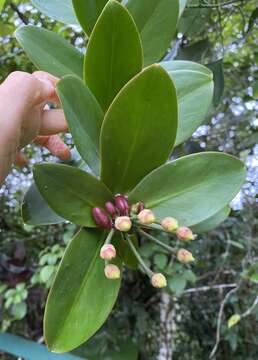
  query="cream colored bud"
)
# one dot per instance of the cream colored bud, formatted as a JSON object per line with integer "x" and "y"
{"x": 158, "y": 281}
{"x": 184, "y": 233}
{"x": 146, "y": 217}
{"x": 108, "y": 252}
{"x": 123, "y": 223}
{"x": 112, "y": 272}
{"x": 185, "y": 256}
{"x": 169, "y": 224}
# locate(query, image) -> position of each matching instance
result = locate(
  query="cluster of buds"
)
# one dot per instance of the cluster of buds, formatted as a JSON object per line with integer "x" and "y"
{"x": 121, "y": 216}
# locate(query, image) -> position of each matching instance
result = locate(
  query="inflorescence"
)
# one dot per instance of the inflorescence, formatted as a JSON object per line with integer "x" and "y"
{"x": 121, "y": 216}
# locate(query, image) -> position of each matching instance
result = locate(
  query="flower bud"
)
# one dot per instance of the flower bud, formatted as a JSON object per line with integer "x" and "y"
{"x": 101, "y": 218}
{"x": 123, "y": 223}
{"x": 122, "y": 204}
{"x": 112, "y": 272}
{"x": 158, "y": 280}
{"x": 146, "y": 217}
{"x": 169, "y": 224}
{"x": 185, "y": 256}
{"x": 110, "y": 207}
{"x": 137, "y": 208}
{"x": 184, "y": 233}
{"x": 107, "y": 252}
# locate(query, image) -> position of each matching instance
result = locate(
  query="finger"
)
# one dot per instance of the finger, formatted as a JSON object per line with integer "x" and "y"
{"x": 28, "y": 90}
{"x": 20, "y": 160}
{"x": 55, "y": 145}
{"x": 44, "y": 76}
{"x": 53, "y": 122}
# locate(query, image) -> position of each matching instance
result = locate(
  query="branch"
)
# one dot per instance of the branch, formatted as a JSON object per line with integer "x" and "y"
{"x": 207, "y": 288}
{"x": 221, "y": 311}
{"x": 251, "y": 308}
{"x": 204, "y": 5}
{"x": 21, "y": 16}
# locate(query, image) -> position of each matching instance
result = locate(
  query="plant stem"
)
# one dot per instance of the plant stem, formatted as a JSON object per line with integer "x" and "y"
{"x": 149, "y": 227}
{"x": 152, "y": 238}
{"x": 109, "y": 237}
{"x": 138, "y": 257}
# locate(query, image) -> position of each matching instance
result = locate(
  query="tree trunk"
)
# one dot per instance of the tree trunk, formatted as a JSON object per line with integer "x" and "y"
{"x": 166, "y": 327}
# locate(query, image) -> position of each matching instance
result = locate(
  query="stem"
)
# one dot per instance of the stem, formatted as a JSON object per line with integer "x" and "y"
{"x": 109, "y": 237}
{"x": 138, "y": 257}
{"x": 149, "y": 227}
{"x": 152, "y": 238}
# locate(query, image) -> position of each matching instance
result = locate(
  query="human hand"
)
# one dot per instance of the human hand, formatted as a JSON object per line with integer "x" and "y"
{"x": 23, "y": 118}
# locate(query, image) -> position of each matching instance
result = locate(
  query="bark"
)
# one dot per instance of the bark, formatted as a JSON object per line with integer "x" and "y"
{"x": 166, "y": 327}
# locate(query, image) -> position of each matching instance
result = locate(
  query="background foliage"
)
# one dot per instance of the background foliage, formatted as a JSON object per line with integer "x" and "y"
{"x": 222, "y": 34}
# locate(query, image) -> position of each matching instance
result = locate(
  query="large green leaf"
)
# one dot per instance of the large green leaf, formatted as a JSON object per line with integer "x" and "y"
{"x": 81, "y": 297}
{"x": 194, "y": 85}
{"x": 60, "y": 10}
{"x": 114, "y": 53}
{"x": 35, "y": 210}
{"x": 84, "y": 117}
{"x": 192, "y": 188}
{"x": 50, "y": 51}
{"x": 139, "y": 129}
{"x": 70, "y": 192}
{"x": 88, "y": 12}
{"x": 2, "y": 2}
{"x": 156, "y": 21}
{"x": 212, "y": 222}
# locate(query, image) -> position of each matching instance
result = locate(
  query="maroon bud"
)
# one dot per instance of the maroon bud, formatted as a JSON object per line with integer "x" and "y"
{"x": 122, "y": 204}
{"x": 110, "y": 207}
{"x": 141, "y": 206}
{"x": 101, "y": 218}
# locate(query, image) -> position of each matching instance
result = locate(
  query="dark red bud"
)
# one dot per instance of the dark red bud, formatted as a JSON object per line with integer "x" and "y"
{"x": 110, "y": 207}
{"x": 122, "y": 205}
{"x": 141, "y": 206}
{"x": 101, "y": 218}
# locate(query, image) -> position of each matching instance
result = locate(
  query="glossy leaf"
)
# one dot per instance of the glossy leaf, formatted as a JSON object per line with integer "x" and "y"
{"x": 193, "y": 188}
{"x": 139, "y": 129}
{"x": 212, "y": 222}
{"x": 84, "y": 117}
{"x": 87, "y": 12}
{"x": 182, "y": 5}
{"x": 49, "y": 51}
{"x": 81, "y": 297}
{"x": 156, "y": 21}
{"x": 218, "y": 74}
{"x": 35, "y": 210}
{"x": 70, "y": 192}
{"x": 114, "y": 53}
{"x": 60, "y": 10}
{"x": 194, "y": 87}
{"x": 2, "y": 3}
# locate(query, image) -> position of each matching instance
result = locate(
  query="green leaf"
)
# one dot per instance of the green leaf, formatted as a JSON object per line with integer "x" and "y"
{"x": 218, "y": 74}
{"x": 2, "y": 2}
{"x": 114, "y": 53}
{"x": 35, "y": 210}
{"x": 139, "y": 129}
{"x": 177, "y": 284}
{"x": 87, "y": 12}
{"x": 84, "y": 117}
{"x": 156, "y": 21}
{"x": 60, "y": 10}
{"x": 81, "y": 297}
{"x": 213, "y": 221}
{"x": 233, "y": 320}
{"x": 193, "y": 188}
{"x": 160, "y": 260}
{"x": 30, "y": 350}
{"x": 19, "y": 310}
{"x": 50, "y": 52}
{"x": 182, "y": 5}
{"x": 71, "y": 192}
{"x": 194, "y": 87}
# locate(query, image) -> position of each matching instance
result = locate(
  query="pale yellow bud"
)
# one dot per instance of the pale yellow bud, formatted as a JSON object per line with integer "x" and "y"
{"x": 169, "y": 224}
{"x": 146, "y": 217}
{"x": 185, "y": 256}
{"x": 158, "y": 281}
{"x": 123, "y": 223}
{"x": 112, "y": 272}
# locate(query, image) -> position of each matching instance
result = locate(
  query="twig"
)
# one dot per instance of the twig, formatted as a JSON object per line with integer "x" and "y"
{"x": 221, "y": 311}
{"x": 251, "y": 308}
{"x": 206, "y": 5}
{"x": 207, "y": 288}
{"x": 20, "y": 14}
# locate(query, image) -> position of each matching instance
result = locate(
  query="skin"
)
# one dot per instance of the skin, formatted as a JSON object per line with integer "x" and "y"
{"x": 25, "y": 119}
